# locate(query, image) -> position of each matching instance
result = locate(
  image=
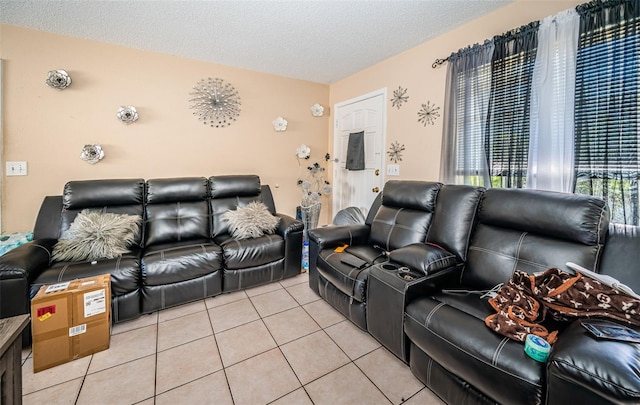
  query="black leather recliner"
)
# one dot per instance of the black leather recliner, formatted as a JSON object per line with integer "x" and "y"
{"x": 403, "y": 217}
{"x": 451, "y": 349}
{"x": 180, "y": 262}
{"x": 121, "y": 196}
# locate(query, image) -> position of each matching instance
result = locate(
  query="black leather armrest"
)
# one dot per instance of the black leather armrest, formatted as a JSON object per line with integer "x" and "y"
{"x": 18, "y": 268}
{"x": 332, "y": 236}
{"x": 27, "y": 260}
{"x": 287, "y": 225}
{"x": 583, "y": 369}
{"x": 427, "y": 258}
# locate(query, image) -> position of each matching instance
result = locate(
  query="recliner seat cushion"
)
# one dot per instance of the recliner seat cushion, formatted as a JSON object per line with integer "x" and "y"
{"x": 245, "y": 253}
{"x": 180, "y": 261}
{"x": 450, "y": 329}
{"x": 346, "y": 278}
{"x": 124, "y": 271}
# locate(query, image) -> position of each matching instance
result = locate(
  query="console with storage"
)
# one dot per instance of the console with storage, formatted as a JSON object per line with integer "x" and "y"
{"x": 431, "y": 251}
{"x": 183, "y": 246}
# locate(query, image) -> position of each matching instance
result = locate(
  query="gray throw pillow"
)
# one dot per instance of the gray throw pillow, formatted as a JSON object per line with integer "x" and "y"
{"x": 251, "y": 221}
{"x": 97, "y": 235}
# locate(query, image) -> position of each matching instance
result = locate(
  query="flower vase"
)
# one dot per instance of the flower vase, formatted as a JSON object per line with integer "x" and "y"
{"x": 310, "y": 216}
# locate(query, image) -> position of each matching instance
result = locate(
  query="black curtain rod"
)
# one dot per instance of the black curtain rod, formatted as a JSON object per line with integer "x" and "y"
{"x": 438, "y": 62}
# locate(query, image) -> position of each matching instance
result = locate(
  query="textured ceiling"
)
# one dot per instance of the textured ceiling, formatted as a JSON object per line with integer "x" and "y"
{"x": 320, "y": 41}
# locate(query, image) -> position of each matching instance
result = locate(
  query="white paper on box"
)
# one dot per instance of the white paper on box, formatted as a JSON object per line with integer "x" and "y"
{"x": 94, "y": 303}
{"x": 57, "y": 287}
{"x": 77, "y": 330}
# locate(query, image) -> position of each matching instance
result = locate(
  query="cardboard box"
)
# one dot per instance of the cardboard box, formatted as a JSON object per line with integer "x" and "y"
{"x": 70, "y": 320}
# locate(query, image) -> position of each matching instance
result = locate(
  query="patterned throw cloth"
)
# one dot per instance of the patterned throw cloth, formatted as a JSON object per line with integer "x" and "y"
{"x": 523, "y": 303}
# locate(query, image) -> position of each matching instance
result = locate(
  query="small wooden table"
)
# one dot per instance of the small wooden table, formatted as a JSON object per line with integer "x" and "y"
{"x": 11, "y": 358}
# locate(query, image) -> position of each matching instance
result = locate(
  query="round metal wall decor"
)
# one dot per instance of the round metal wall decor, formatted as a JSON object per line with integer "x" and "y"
{"x": 215, "y": 102}
{"x": 58, "y": 79}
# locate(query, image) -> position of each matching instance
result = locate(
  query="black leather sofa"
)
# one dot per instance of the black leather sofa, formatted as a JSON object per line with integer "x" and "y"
{"x": 426, "y": 254}
{"x": 184, "y": 251}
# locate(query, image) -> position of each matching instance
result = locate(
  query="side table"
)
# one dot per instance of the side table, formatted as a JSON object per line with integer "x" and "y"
{"x": 389, "y": 288}
{"x": 10, "y": 358}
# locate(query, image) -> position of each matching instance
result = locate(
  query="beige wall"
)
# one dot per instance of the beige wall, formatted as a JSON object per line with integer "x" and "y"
{"x": 48, "y": 128}
{"x": 412, "y": 70}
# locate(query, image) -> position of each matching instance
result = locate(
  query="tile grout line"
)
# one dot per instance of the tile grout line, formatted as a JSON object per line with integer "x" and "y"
{"x": 224, "y": 369}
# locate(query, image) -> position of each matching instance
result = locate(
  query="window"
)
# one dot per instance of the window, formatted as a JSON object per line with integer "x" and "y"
{"x": 606, "y": 113}
{"x": 598, "y": 129}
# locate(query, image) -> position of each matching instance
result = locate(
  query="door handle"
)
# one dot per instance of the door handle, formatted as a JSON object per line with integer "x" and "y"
{"x": 377, "y": 172}
{"x": 375, "y": 189}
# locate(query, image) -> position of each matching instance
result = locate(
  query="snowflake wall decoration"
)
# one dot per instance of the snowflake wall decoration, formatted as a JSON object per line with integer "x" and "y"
{"x": 395, "y": 152}
{"x": 399, "y": 97}
{"x": 428, "y": 114}
{"x": 215, "y": 102}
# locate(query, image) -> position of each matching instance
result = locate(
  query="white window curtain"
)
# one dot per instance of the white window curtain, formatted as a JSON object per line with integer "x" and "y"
{"x": 551, "y": 143}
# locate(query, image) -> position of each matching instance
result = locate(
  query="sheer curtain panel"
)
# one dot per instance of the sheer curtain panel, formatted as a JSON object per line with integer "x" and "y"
{"x": 551, "y": 140}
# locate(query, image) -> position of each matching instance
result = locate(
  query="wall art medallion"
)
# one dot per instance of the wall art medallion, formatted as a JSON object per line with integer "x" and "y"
{"x": 399, "y": 97}
{"x": 280, "y": 124}
{"x": 428, "y": 114}
{"x": 317, "y": 110}
{"x": 127, "y": 114}
{"x": 395, "y": 152}
{"x": 215, "y": 102}
{"x": 58, "y": 79}
{"x": 92, "y": 154}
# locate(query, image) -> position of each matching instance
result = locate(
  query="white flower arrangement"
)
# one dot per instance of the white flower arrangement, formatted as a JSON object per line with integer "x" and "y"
{"x": 312, "y": 179}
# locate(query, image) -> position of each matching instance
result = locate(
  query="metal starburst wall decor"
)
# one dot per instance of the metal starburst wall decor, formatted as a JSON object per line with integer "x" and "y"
{"x": 395, "y": 152}
{"x": 428, "y": 114}
{"x": 399, "y": 97}
{"x": 215, "y": 102}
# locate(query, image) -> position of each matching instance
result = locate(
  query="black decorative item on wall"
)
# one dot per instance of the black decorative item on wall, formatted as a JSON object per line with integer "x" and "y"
{"x": 215, "y": 102}
{"x": 395, "y": 152}
{"x": 399, "y": 97}
{"x": 428, "y": 113}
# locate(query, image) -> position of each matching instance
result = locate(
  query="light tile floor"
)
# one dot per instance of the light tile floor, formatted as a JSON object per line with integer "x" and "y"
{"x": 274, "y": 344}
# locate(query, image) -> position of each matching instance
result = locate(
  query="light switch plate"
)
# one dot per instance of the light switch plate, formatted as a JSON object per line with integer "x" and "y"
{"x": 16, "y": 168}
{"x": 393, "y": 170}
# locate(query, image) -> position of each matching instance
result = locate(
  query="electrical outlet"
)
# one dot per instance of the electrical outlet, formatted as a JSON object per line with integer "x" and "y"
{"x": 16, "y": 169}
{"x": 393, "y": 170}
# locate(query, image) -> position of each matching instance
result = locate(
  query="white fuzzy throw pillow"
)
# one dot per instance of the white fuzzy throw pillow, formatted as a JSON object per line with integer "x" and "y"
{"x": 97, "y": 235}
{"x": 251, "y": 221}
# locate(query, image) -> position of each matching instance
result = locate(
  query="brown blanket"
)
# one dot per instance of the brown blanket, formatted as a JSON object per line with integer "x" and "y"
{"x": 523, "y": 303}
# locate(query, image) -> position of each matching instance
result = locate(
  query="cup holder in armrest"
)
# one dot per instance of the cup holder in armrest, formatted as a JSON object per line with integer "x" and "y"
{"x": 407, "y": 274}
{"x": 389, "y": 267}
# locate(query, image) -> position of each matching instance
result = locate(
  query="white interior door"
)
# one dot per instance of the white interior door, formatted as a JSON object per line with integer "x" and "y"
{"x": 358, "y": 188}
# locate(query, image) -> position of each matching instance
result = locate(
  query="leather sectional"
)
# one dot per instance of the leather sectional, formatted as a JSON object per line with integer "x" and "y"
{"x": 184, "y": 251}
{"x": 414, "y": 274}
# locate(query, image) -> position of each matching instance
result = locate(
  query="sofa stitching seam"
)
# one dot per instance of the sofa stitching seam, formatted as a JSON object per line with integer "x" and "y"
{"x": 518, "y": 248}
{"x": 620, "y": 387}
{"x": 471, "y": 355}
